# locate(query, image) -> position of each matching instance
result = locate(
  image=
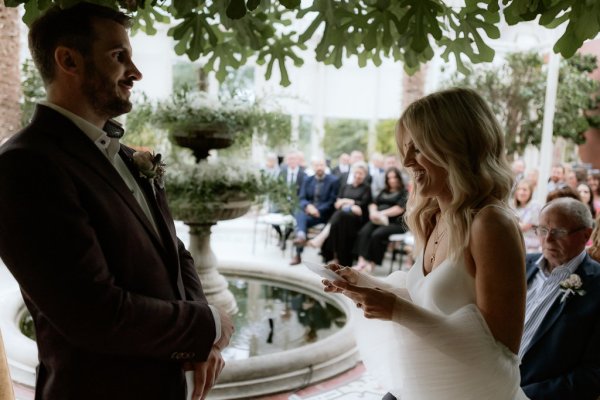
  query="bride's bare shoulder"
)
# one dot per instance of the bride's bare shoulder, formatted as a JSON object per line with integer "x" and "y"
{"x": 495, "y": 221}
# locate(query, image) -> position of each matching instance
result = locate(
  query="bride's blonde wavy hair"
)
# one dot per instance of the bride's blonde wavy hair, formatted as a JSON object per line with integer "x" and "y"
{"x": 456, "y": 130}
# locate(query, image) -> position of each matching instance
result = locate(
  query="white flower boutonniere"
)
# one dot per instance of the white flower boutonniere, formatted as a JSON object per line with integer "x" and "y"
{"x": 571, "y": 285}
{"x": 150, "y": 166}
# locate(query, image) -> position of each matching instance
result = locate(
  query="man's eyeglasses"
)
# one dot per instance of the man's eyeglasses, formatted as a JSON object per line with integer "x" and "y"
{"x": 542, "y": 231}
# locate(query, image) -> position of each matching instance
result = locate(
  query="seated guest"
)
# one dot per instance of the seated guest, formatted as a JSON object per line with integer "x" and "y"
{"x": 378, "y": 183}
{"x": 356, "y": 156}
{"x": 293, "y": 174}
{"x": 528, "y": 212}
{"x": 593, "y": 244}
{"x": 557, "y": 178}
{"x": 385, "y": 219}
{"x": 564, "y": 191}
{"x": 271, "y": 167}
{"x": 343, "y": 165}
{"x": 593, "y": 180}
{"x": 317, "y": 195}
{"x": 585, "y": 195}
{"x": 350, "y": 215}
{"x": 560, "y": 350}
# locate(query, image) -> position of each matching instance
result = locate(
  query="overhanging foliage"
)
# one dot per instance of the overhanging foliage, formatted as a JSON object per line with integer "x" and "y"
{"x": 226, "y": 33}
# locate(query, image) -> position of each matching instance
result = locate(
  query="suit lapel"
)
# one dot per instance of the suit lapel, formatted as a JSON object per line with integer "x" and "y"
{"x": 531, "y": 270}
{"x": 81, "y": 148}
{"x": 158, "y": 206}
{"x": 153, "y": 198}
{"x": 75, "y": 143}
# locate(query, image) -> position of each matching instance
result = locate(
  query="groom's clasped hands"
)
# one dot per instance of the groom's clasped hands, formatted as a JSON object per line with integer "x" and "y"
{"x": 375, "y": 302}
{"x": 206, "y": 373}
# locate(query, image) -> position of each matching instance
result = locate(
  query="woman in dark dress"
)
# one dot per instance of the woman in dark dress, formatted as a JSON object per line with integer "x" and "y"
{"x": 385, "y": 219}
{"x": 350, "y": 215}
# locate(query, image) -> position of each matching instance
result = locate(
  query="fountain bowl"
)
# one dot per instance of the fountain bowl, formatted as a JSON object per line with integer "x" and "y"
{"x": 252, "y": 377}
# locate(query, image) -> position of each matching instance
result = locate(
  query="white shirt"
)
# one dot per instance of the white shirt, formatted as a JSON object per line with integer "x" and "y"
{"x": 542, "y": 292}
{"x": 110, "y": 148}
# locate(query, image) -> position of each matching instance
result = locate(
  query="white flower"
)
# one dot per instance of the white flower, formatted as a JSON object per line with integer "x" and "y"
{"x": 571, "y": 285}
{"x": 150, "y": 165}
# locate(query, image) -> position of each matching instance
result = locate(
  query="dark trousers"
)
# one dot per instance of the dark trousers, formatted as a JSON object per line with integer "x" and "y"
{"x": 372, "y": 240}
{"x": 340, "y": 243}
{"x": 305, "y": 221}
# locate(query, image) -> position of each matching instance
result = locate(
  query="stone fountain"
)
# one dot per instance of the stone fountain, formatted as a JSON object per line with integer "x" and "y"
{"x": 257, "y": 374}
{"x": 201, "y": 140}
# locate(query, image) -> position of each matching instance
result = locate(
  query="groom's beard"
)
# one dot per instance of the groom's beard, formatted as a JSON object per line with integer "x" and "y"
{"x": 103, "y": 94}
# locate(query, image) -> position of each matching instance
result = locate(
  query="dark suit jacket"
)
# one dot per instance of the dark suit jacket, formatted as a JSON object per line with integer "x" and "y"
{"x": 116, "y": 307}
{"x": 337, "y": 172}
{"x": 300, "y": 176}
{"x": 563, "y": 358}
{"x": 327, "y": 195}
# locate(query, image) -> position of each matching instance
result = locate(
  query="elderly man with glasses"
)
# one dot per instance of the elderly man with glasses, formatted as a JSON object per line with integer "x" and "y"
{"x": 560, "y": 350}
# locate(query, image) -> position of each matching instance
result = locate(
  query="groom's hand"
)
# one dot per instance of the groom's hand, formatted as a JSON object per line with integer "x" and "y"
{"x": 206, "y": 373}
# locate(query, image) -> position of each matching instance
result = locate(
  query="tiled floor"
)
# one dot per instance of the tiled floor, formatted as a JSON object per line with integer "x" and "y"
{"x": 246, "y": 238}
{"x": 351, "y": 385}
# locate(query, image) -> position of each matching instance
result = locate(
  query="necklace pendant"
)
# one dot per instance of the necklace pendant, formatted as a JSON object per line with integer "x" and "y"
{"x": 432, "y": 260}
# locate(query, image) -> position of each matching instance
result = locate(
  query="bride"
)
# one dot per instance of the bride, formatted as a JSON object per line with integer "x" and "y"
{"x": 450, "y": 328}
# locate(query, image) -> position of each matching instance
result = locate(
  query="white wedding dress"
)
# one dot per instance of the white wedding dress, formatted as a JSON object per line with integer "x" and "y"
{"x": 440, "y": 347}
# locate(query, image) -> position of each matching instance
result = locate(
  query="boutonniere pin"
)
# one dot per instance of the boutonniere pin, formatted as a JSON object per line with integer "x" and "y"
{"x": 150, "y": 166}
{"x": 571, "y": 285}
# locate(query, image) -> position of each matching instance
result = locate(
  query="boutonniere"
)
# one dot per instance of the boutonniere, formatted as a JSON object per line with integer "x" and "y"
{"x": 571, "y": 285}
{"x": 150, "y": 166}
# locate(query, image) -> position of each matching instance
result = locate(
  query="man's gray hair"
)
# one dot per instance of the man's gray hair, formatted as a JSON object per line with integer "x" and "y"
{"x": 360, "y": 164}
{"x": 575, "y": 209}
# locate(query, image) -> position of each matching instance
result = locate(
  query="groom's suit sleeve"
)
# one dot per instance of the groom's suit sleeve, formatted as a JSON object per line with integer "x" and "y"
{"x": 48, "y": 240}
{"x": 582, "y": 383}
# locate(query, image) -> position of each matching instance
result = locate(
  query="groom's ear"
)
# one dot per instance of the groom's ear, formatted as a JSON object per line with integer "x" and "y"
{"x": 68, "y": 61}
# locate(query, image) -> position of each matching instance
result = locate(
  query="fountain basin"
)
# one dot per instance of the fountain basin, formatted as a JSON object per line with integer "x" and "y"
{"x": 242, "y": 378}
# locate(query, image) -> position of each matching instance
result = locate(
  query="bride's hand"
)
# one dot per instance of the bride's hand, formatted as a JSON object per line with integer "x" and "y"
{"x": 345, "y": 273}
{"x": 375, "y": 303}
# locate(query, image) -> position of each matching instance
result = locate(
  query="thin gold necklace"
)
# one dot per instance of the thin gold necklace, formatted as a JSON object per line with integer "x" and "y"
{"x": 436, "y": 242}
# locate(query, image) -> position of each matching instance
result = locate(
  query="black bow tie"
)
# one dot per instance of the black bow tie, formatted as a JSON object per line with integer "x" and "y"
{"x": 113, "y": 129}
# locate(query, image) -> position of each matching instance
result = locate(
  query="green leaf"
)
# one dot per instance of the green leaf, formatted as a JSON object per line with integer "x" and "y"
{"x": 183, "y": 7}
{"x": 567, "y": 44}
{"x": 236, "y": 9}
{"x": 32, "y": 12}
{"x": 14, "y": 3}
{"x": 290, "y": 4}
{"x": 585, "y": 21}
{"x": 252, "y": 4}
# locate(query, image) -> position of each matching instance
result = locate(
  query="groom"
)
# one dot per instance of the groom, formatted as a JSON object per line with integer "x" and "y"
{"x": 118, "y": 308}
{"x": 560, "y": 350}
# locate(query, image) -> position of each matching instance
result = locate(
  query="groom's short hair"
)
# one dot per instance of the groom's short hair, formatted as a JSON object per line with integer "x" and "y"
{"x": 70, "y": 27}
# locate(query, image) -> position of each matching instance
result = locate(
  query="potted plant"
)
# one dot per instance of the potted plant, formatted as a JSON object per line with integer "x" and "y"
{"x": 211, "y": 190}
{"x": 199, "y": 122}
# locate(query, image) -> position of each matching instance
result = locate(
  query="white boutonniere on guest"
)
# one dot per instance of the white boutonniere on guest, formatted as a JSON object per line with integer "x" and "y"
{"x": 150, "y": 166}
{"x": 571, "y": 285}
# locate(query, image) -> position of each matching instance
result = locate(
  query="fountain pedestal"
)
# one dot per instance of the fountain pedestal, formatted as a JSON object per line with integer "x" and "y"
{"x": 205, "y": 261}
